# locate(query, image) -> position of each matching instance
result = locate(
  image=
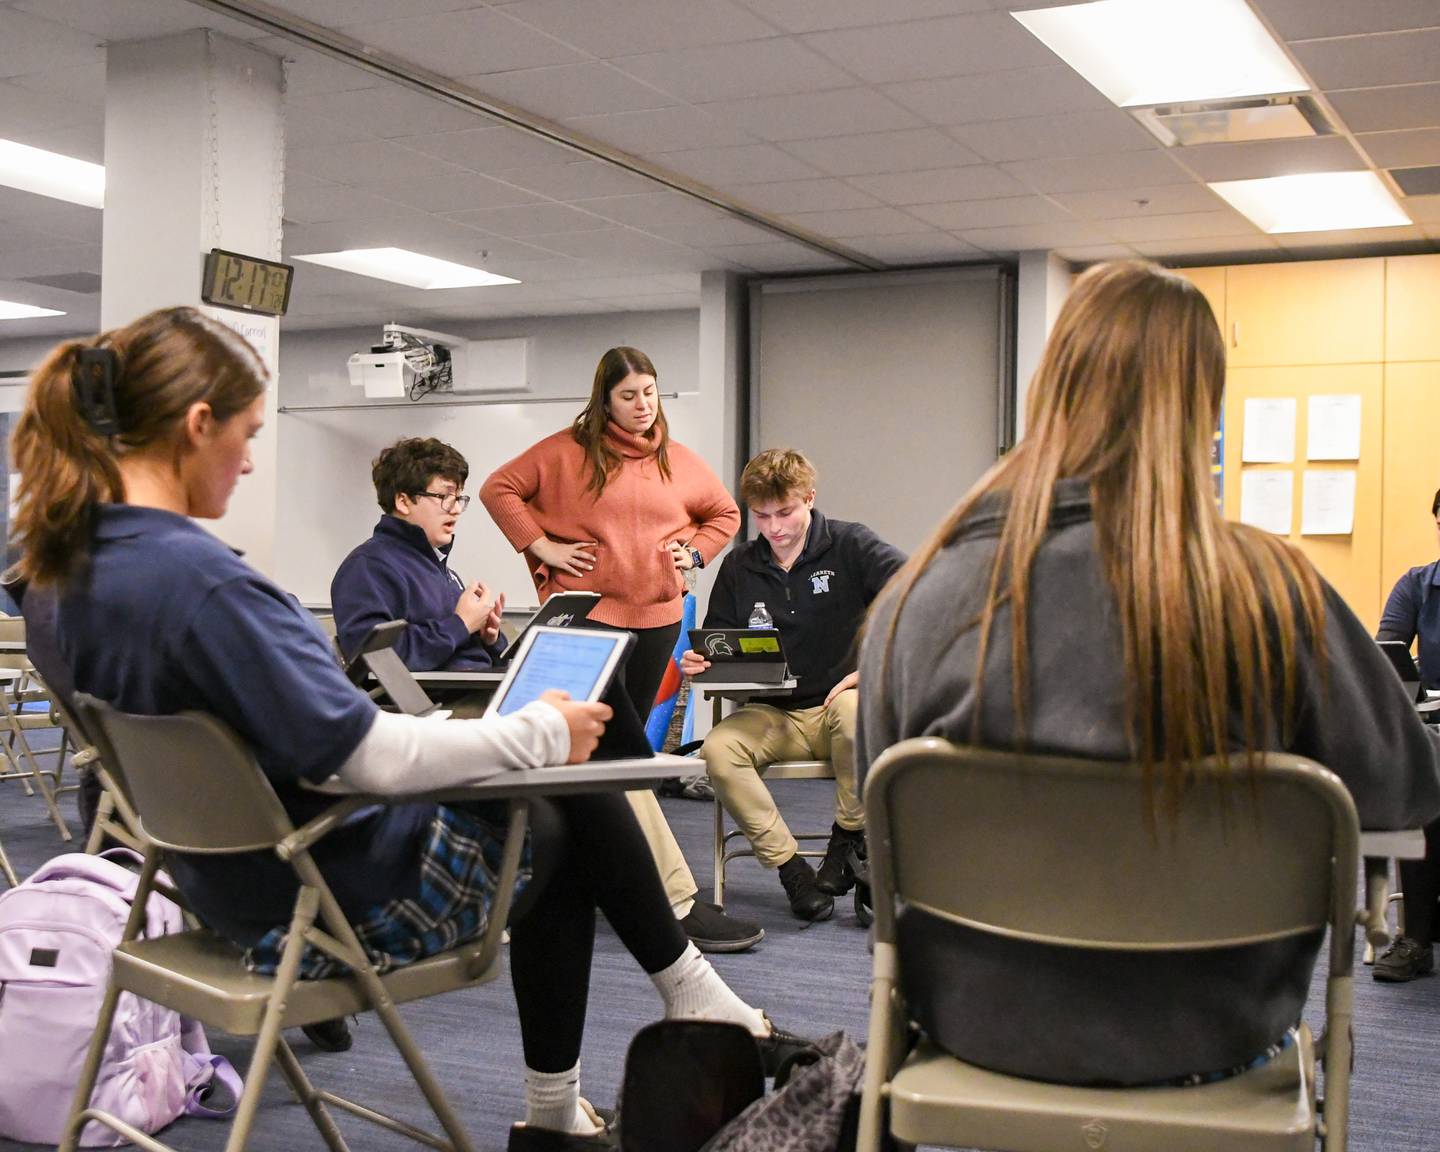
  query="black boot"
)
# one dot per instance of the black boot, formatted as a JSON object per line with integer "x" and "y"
{"x": 807, "y": 902}
{"x": 836, "y": 876}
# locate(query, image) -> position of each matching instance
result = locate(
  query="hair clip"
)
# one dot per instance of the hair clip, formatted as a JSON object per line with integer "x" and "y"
{"x": 94, "y": 385}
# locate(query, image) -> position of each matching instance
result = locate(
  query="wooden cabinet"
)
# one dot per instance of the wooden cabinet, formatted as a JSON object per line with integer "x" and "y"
{"x": 1351, "y": 563}
{"x": 1211, "y": 282}
{"x": 1412, "y": 468}
{"x": 1412, "y": 308}
{"x": 1315, "y": 312}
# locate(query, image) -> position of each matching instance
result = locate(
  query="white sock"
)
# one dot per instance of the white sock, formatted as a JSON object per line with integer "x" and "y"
{"x": 683, "y": 908}
{"x": 693, "y": 990}
{"x": 552, "y": 1100}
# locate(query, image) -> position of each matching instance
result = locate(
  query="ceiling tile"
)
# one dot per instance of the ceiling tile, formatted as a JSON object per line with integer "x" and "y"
{"x": 1339, "y": 245}
{"x": 1306, "y": 19}
{"x": 724, "y": 167}
{"x": 388, "y": 110}
{"x": 530, "y": 220}
{"x": 305, "y": 130}
{"x": 714, "y": 72}
{"x": 662, "y": 130}
{"x": 1402, "y": 149}
{"x": 1179, "y": 226}
{"x": 1385, "y": 109}
{"x": 652, "y": 208}
{"x": 490, "y": 150}
{"x": 335, "y": 13}
{"x": 464, "y": 43}
{"x": 452, "y": 192}
{"x": 620, "y": 286}
{"x": 720, "y": 229}
{"x": 604, "y": 243}
{"x": 905, "y": 151}
{"x": 1093, "y": 173}
{"x": 963, "y": 214}
{"x": 1086, "y": 254}
{"x": 921, "y": 49}
{"x": 578, "y": 180}
{"x": 1042, "y": 91}
{"x": 1069, "y": 134}
{"x": 1025, "y": 237}
{"x": 1254, "y": 159}
{"x": 1162, "y": 199}
{"x": 809, "y": 114}
{"x": 365, "y": 162}
{"x": 809, "y": 16}
{"x": 803, "y": 195}
{"x": 607, "y": 28}
{"x": 82, "y": 85}
{"x": 22, "y": 110}
{"x": 1231, "y": 249}
{"x": 30, "y": 44}
{"x": 972, "y": 182}
{"x": 660, "y": 302}
{"x": 1423, "y": 209}
{"x": 855, "y": 222}
{"x": 308, "y": 72}
{"x": 570, "y": 90}
{"x": 1371, "y": 61}
{"x": 48, "y": 259}
{"x": 324, "y": 204}
{"x": 916, "y": 248}
{"x": 779, "y": 256}
{"x": 133, "y": 19}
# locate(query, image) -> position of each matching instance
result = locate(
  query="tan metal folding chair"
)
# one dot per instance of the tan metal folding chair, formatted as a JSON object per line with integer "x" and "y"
{"x": 1058, "y": 853}
{"x": 780, "y": 770}
{"x": 197, "y": 788}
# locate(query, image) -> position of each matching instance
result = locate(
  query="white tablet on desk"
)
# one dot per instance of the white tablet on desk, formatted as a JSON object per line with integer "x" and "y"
{"x": 580, "y": 661}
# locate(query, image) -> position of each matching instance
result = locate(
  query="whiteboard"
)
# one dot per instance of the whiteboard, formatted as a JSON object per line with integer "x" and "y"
{"x": 897, "y": 386}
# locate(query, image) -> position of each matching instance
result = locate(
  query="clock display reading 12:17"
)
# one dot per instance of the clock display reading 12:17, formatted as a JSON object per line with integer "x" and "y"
{"x": 246, "y": 282}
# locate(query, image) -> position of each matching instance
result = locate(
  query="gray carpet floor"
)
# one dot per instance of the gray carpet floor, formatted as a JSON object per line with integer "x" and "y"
{"x": 811, "y": 979}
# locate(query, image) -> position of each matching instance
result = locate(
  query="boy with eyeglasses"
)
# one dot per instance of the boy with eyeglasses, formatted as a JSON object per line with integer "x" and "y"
{"x": 402, "y": 571}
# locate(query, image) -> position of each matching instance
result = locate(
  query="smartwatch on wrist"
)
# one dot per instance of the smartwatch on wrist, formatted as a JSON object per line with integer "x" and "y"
{"x": 697, "y": 561}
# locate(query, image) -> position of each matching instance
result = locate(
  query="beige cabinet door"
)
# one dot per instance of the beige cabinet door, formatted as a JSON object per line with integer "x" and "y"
{"x": 1412, "y": 469}
{"x": 1351, "y": 563}
{"x": 1211, "y": 282}
{"x": 1412, "y": 308}
{"x": 1315, "y": 312}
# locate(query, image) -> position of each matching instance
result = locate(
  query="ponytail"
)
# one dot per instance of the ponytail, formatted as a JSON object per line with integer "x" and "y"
{"x": 66, "y": 467}
{"x": 92, "y": 402}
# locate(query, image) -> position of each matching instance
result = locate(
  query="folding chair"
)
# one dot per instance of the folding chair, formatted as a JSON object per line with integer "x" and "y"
{"x": 780, "y": 770}
{"x": 998, "y": 854}
{"x": 197, "y": 788}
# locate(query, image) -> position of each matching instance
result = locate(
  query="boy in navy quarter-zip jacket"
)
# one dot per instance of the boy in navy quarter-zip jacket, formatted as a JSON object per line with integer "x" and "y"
{"x": 816, "y": 578}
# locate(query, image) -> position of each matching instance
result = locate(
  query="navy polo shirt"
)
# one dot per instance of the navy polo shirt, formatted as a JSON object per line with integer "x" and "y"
{"x": 1412, "y": 610}
{"x": 169, "y": 619}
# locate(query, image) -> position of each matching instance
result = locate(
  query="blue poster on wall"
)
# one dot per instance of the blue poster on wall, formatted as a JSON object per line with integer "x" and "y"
{"x": 1217, "y": 461}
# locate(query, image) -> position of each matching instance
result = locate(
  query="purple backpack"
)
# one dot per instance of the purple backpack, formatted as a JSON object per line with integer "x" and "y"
{"x": 57, "y": 931}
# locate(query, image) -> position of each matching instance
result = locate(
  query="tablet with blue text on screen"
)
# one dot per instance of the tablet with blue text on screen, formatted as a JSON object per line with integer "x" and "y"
{"x": 580, "y": 661}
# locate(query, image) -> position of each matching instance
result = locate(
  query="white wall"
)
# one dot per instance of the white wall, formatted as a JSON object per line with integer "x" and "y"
{"x": 1042, "y": 284}
{"x": 327, "y": 503}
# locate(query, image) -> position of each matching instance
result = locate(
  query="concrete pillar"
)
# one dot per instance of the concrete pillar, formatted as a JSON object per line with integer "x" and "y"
{"x": 194, "y": 160}
{"x": 1043, "y": 283}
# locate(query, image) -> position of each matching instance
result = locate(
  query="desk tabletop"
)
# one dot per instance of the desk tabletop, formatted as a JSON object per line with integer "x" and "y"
{"x": 743, "y": 691}
{"x": 489, "y": 676}
{"x": 593, "y": 776}
{"x": 1403, "y": 844}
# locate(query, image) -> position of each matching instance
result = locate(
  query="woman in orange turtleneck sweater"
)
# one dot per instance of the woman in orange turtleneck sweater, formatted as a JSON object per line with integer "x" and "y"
{"x": 613, "y": 505}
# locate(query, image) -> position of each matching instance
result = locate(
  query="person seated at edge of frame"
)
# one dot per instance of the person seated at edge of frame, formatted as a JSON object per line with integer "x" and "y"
{"x": 1412, "y": 613}
{"x": 817, "y": 578}
{"x": 125, "y": 437}
{"x": 1086, "y": 598}
{"x": 402, "y": 572}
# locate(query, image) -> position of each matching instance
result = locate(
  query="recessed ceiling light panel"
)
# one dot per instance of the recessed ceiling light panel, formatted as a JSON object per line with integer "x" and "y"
{"x": 1142, "y": 52}
{"x": 51, "y": 174}
{"x": 1314, "y": 202}
{"x": 401, "y": 266}
{"x": 10, "y": 310}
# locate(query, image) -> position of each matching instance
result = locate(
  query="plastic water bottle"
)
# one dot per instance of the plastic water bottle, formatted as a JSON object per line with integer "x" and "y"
{"x": 760, "y": 616}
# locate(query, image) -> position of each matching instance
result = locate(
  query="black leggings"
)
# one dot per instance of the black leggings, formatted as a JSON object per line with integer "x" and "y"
{"x": 1420, "y": 882}
{"x": 648, "y": 660}
{"x": 588, "y": 853}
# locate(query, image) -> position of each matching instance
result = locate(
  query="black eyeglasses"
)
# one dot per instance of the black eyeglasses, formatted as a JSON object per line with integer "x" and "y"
{"x": 449, "y": 501}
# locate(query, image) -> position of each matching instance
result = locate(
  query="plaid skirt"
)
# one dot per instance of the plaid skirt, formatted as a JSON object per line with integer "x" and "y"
{"x": 459, "y": 867}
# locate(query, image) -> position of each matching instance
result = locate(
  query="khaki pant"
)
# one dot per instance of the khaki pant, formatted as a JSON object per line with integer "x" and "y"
{"x": 739, "y": 749}
{"x": 675, "y": 874}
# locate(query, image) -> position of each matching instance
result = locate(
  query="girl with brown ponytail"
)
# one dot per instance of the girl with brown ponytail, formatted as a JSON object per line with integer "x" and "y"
{"x": 1087, "y": 598}
{"x": 121, "y": 442}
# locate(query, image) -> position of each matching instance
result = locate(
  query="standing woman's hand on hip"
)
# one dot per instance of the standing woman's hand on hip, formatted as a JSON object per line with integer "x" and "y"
{"x": 576, "y": 559}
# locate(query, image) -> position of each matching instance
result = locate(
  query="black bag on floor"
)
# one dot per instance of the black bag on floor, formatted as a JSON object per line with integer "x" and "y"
{"x": 684, "y": 1081}
{"x": 815, "y": 1106}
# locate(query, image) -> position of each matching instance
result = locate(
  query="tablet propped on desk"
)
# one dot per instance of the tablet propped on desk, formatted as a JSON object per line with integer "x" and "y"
{"x": 563, "y": 610}
{"x": 586, "y": 663}
{"x": 740, "y": 655}
{"x": 1398, "y": 653}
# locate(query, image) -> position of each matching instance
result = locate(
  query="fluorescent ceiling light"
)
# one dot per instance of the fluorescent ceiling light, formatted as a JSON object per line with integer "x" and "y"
{"x": 1141, "y": 52}
{"x": 50, "y": 174}
{"x": 9, "y": 310}
{"x": 1314, "y": 202}
{"x": 404, "y": 267}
